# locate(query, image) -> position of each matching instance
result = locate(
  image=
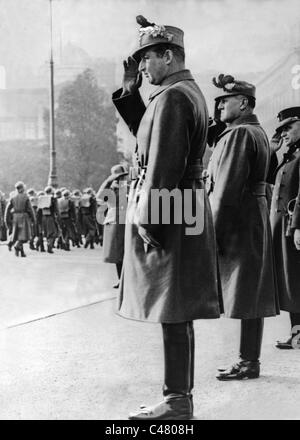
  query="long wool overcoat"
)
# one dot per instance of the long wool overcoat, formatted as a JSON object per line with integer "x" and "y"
{"x": 287, "y": 188}
{"x": 177, "y": 282}
{"x": 22, "y": 213}
{"x": 238, "y": 169}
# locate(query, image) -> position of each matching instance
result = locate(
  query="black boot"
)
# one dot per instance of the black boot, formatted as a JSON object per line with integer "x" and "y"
{"x": 22, "y": 252}
{"x": 17, "y": 250}
{"x": 179, "y": 376}
{"x": 31, "y": 245}
{"x": 250, "y": 346}
{"x": 10, "y": 245}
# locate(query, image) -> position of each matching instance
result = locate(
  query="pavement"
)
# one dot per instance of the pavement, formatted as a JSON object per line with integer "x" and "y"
{"x": 66, "y": 355}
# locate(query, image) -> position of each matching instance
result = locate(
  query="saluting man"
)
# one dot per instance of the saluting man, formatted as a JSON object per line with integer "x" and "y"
{"x": 168, "y": 277}
{"x": 237, "y": 191}
{"x": 285, "y": 220}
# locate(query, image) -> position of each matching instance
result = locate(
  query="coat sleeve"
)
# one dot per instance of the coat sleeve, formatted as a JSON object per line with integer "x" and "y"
{"x": 296, "y": 215}
{"x": 131, "y": 107}
{"x": 231, "y": 178}
{"x": 173, "y": 125}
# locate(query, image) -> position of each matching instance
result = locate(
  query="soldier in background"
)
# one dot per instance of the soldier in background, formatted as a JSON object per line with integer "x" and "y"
{"x": 87, "y": 212}
{"x": 66, "y": 210}
{"x": 39, "y": 225}
{"x": 114, "y": 220}
{"x": 76, "y": 196}
{"x": 59, "y": 244}
{"x": 285, "y": 219}
{"x": 34, "y": 203}
{"x": 22, "y": 216}
{"x": 3, "y": 230}
{"x": 237, "y": 171}
{"x": 49, "y": 213}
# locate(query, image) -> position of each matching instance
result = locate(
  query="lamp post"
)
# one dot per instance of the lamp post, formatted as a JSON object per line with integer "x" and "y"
{"x": 52, "y": 179}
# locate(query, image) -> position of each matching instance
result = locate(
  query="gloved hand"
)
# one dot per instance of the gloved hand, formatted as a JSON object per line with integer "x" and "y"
{"x": 132, "y": 78}
{"x": 276, "y": 142}
{"x": 148, "y": 238}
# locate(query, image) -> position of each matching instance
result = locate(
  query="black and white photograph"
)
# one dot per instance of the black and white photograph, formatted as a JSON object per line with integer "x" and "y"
{"x": 150, "y": 212}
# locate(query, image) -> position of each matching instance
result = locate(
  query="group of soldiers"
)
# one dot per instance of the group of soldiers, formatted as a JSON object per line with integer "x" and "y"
{"x": 59, "y": 217}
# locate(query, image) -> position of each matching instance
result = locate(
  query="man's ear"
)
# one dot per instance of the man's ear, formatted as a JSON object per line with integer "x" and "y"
{"x": 168, "y": 56}
{"x": 244, "y": 104}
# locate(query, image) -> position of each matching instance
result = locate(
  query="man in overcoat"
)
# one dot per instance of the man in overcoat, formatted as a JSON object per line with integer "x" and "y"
{"x": 237, "y": 191}
{"x": 285, "y": 221}
{"x": 169, "y": 275}
{"x": 114, "y": 220}
{"x": 20, "y": 208}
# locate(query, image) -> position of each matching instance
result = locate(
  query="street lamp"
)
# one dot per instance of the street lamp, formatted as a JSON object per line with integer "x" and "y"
{"x": 52, "y": 179}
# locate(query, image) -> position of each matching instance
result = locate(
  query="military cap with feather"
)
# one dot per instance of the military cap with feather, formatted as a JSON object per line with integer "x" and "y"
{"x": 233, "y": 87}
{"x": 152, "y": 34}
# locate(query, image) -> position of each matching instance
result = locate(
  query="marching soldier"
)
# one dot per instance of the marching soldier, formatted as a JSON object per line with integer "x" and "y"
{"x": 49, "y": 213}
{"x": 164, "y": 278}
{"x": 3, "y": 231}
{"x": 22, "y": 213}
{"x": 285, "y": 220}
{"x": 237, "y": 191}
{"x": 39, "y": 224}
{"x": 66, "y": 211}
{"x": 33, "y": 200}
{"x": 87, "y": 212}
{"x": 76, "y": 196}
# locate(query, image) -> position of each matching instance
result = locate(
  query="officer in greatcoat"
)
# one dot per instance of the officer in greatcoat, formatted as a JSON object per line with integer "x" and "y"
{"x": 285, "y": 220}
{"x": 170, "y": 270}
{"x": 237, "y": 191}
{"x": 19, "y": 207}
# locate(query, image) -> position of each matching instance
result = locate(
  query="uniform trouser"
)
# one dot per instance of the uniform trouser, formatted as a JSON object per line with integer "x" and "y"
{"x": 251, "y": 338}
{"x": 179, "y": 350}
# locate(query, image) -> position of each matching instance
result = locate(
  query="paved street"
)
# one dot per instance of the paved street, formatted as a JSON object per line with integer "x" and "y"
{"x": 79, "y": 361}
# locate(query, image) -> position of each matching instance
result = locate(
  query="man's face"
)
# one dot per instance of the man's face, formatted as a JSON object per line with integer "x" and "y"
{"x": 291, "y": 133}
{"x": 229, "y": 107}
{"x": 153, "y": 67}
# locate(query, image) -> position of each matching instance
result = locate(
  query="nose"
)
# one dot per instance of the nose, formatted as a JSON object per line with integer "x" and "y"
{"x": 220, "y": 105}
{"x": 141, "y": 66}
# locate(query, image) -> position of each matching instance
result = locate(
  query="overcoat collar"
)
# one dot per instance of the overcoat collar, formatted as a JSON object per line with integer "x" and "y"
{"x": 182, "y": 75}
{"x": 242, "y": 120}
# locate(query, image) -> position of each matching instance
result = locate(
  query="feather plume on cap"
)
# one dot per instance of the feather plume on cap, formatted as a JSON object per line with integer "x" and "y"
{"x": 223, "y": 80}
{"x": 143, "y": 22}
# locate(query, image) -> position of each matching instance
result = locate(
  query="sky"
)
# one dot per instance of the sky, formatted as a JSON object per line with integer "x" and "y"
{"x": 220, "y": 35}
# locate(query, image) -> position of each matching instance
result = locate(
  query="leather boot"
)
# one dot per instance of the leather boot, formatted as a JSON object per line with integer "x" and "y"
{"x": 250, "y": 346}
{"x": 22, "y": 251}
{"x": 179, "y": 376}
{"x": 180, "y": 408}
{"x": 179, "y": 358}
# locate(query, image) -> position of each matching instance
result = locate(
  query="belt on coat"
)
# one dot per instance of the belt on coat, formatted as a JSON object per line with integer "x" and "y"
{"x": 193, "y": 171}
{"x": 258, "y": 189}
